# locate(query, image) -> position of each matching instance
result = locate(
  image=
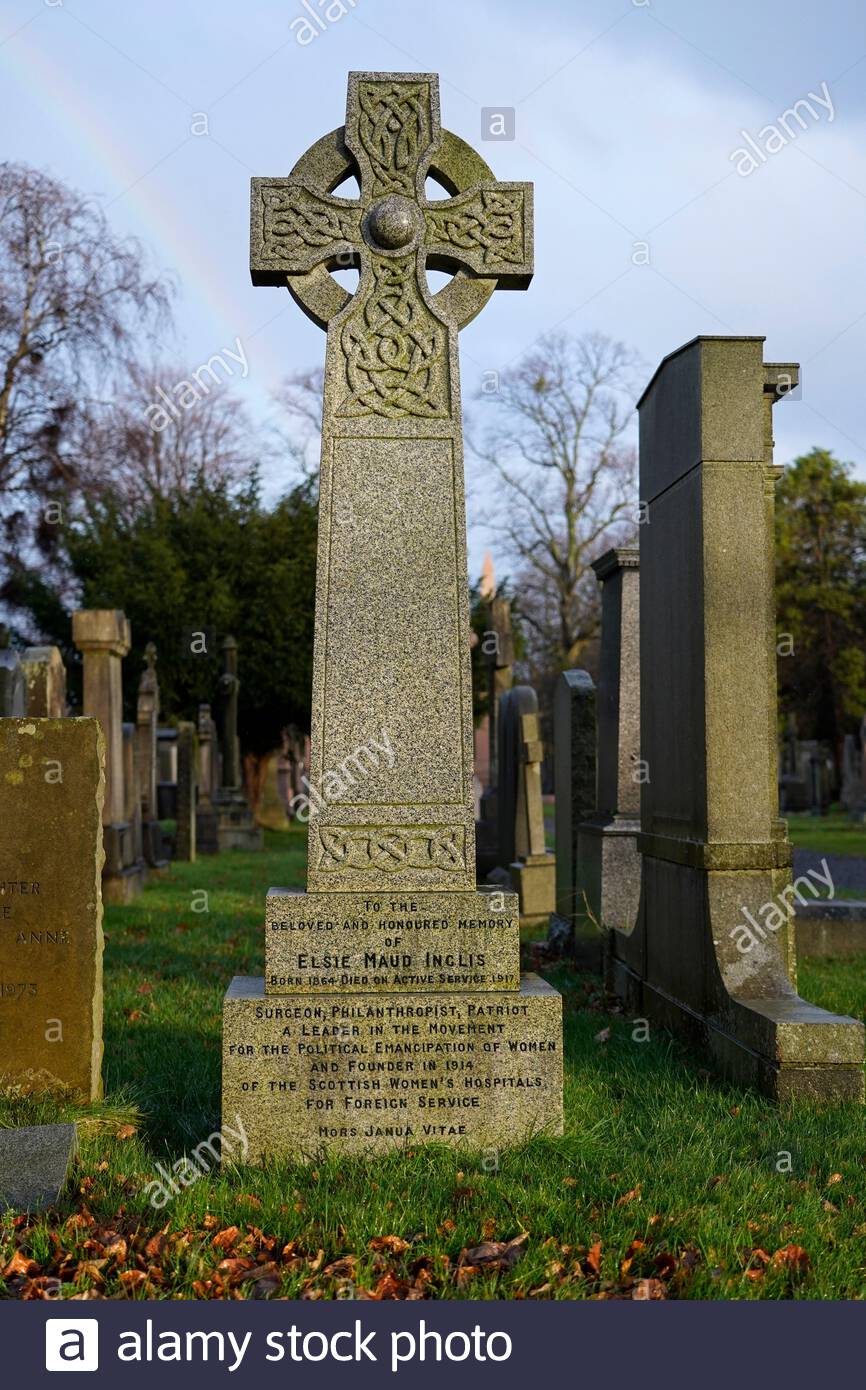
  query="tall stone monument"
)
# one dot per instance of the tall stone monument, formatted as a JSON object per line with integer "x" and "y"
{"x": 146, "y": 724}
{"x": 102, "y": 636}
{"x": 392, "y": 1011}
{"x": 610, "y": 868}
{"x": 51, "y": 794}
{"x": 206, "y": 819}
{"x": 45, "y": 682}
{"x": 236, "y": 825}
{"x": 718, "y": 943}
{"x": 574, "y": 785}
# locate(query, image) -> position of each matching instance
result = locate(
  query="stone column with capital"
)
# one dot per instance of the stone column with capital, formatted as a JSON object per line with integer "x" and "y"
{"x": 236, "y": 824}
{"x": 102, "y": 636}
{"x": 207, "y": 821}
{"x": 146, "y": 723}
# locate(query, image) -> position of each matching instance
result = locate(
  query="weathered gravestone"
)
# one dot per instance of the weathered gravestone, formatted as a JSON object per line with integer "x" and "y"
{"x": 186, "y": 792}
{"x": 132, "y": 798}
{"x": 520, "y": 809}
{"x": 206, "y": 820}
{"x": 34, "y": 1165}
{"x": 103, "y": 638}
{"x": 499, "y": 653}
{"x": 45, "y": 682}
{"x": 392, "y": 1010}
{"x": 574, "y": 779}
{"x": 609, "y": 856}
{"x": 236, "y": 824}
{"x": 166, "y": 773}
{"x": 719, "y": 961}
{"x": 13, "y": 692}
{"x": 51, "y": 794}
{"x": 146, "y": 724}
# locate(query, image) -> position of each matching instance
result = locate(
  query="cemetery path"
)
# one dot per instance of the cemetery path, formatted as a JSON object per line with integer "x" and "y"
{"x": 848, "y": 871}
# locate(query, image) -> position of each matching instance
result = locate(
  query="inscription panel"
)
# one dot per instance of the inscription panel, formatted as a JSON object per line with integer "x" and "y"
{"x": 51, "y": 795}
{"x": 393, "y": 627}
{"x": 356, "y": 942}
{"x": 377, "y": 1072}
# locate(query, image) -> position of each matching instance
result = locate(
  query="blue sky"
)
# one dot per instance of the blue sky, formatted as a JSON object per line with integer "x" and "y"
{"x": 627, "y": 117}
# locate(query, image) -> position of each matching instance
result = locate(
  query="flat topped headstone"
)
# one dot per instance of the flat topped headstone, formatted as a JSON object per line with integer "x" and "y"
{"x": 51, "y": 789}
{"x": 45, "y": 681}
{"x": 34, "y": 1165}
{"x": 393, "y": 966}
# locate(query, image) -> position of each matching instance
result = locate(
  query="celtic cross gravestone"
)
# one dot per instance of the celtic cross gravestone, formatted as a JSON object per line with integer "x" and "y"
{"x": 392, "y": 1007}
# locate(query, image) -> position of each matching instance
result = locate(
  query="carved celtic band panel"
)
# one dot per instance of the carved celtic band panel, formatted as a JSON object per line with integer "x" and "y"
{"x": 389, "y": 849}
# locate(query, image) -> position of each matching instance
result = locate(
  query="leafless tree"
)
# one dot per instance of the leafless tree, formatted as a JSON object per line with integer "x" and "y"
{"x": 76, "y": 304}
{"x": 299, "y": 402}
{"x": 212, "y": 440}
{"x": 557, "y": 444}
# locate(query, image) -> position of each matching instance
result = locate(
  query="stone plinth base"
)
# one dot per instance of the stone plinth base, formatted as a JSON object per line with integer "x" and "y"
{"x": 357, "y": 942}
{"x": 363, "y": 1075}
{"x": 701, "y": 963}
{"x": 609, "y": 869}
{"x": 236, "y": 825}
{"x": 155, "y": 855}
{"x": 578, "y": 938}
{"x": 207, "y": 831}
{"x": 534, "y": 880}
{"x": 831, "y": 928}
{"x": 124, "y": 886}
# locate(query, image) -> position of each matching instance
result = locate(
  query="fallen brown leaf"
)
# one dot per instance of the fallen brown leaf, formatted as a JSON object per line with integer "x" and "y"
{"x": 394, "y": 1245}
{"x": 792, "y": 1257}
{"x": 648, "y": 1289}
{"x": 499, "y": 1255}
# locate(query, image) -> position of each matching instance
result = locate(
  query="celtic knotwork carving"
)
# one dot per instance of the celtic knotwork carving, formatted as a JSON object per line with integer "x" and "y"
{"x": 394, "y": 130}
{"x": 487, "y": 226}
{"x": 389, "y": 849}
{"x": 395, "y": 350}
{"x": 295, "y": 219}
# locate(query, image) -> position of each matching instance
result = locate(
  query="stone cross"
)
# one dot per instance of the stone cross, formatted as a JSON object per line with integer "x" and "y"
{"x": 147, "y": 718}
{"x": 392, "y": 936}
{"x": 392, "y": 649}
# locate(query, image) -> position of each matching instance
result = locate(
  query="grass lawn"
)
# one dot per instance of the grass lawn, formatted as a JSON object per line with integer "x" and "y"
{"x": 830, "y": 834}
{"x": 666, "y": 1184}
